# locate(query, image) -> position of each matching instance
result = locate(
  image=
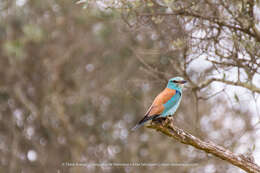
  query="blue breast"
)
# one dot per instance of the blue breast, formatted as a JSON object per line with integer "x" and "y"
{"x": 172, "y": 105}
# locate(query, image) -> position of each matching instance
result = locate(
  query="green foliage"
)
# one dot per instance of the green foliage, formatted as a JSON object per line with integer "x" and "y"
{"x": 14, "y": 49}
{"x": 33, "y": 33}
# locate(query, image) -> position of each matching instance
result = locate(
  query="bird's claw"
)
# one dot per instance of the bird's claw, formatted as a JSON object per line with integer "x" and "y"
{"x": 171, "y": 120}
{"x": 159, "y": 120}
{"x": 164, "y": 120}
{"x": 168, "y": 120}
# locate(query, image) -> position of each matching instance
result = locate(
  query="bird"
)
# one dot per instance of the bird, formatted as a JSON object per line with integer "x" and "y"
{"x": 166, "y": 103}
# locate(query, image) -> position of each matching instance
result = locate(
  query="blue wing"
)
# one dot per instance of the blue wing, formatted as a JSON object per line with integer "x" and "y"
{"x": 172, "y": 105}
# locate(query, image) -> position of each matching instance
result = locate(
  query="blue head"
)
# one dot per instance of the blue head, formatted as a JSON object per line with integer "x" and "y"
{"x": 176, "y": 83}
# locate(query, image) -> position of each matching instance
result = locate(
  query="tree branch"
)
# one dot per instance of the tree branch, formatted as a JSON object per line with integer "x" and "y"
{"x": 178, "y": 134}
{"x": 249, "y": 86}
{"x": 210, "y": 19}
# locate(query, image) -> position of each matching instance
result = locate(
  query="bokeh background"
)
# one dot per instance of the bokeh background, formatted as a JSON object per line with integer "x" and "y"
{"x": 75, "y": 77}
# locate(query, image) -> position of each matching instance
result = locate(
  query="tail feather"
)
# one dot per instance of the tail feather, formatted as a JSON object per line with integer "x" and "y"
{"x": 144, "y": 120}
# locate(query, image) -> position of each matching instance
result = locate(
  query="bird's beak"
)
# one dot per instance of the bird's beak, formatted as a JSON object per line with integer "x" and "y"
{"x": 182, "y": 82}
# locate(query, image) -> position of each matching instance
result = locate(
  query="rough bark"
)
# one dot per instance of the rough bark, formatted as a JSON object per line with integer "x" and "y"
{"x": 180, "y": 135}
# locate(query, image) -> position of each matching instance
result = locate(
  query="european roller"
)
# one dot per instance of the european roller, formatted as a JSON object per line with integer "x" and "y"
{"x": 166, "y": 103}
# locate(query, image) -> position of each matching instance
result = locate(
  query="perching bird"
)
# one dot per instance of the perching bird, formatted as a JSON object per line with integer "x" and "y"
{"x": 166, "y": 103}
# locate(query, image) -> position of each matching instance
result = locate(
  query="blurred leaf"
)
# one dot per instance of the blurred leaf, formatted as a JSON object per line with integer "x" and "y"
{"x": 149, "y": 4}
{"x": 33, "y": 33}
{"x": 236, "y": 97}
{"x": 14, "y": 48}
{"x": 81, "y": 1}
{"x": 253, "y": 148}
{"x": 3, "y": 96}
{"x": 179, "y": 43}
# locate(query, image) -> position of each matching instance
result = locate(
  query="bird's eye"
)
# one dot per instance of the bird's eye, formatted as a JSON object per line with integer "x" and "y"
{"x": 174, "y": 81}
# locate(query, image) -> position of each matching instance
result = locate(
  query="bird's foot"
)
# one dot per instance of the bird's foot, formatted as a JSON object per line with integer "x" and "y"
{"x": 164, "y": 120}
{"x": 168, "y": 120}
{"x": 159, "y": 120}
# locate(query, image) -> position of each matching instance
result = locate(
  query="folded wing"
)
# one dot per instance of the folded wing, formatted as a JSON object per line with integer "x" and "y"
{"x": 157, "y": 106}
